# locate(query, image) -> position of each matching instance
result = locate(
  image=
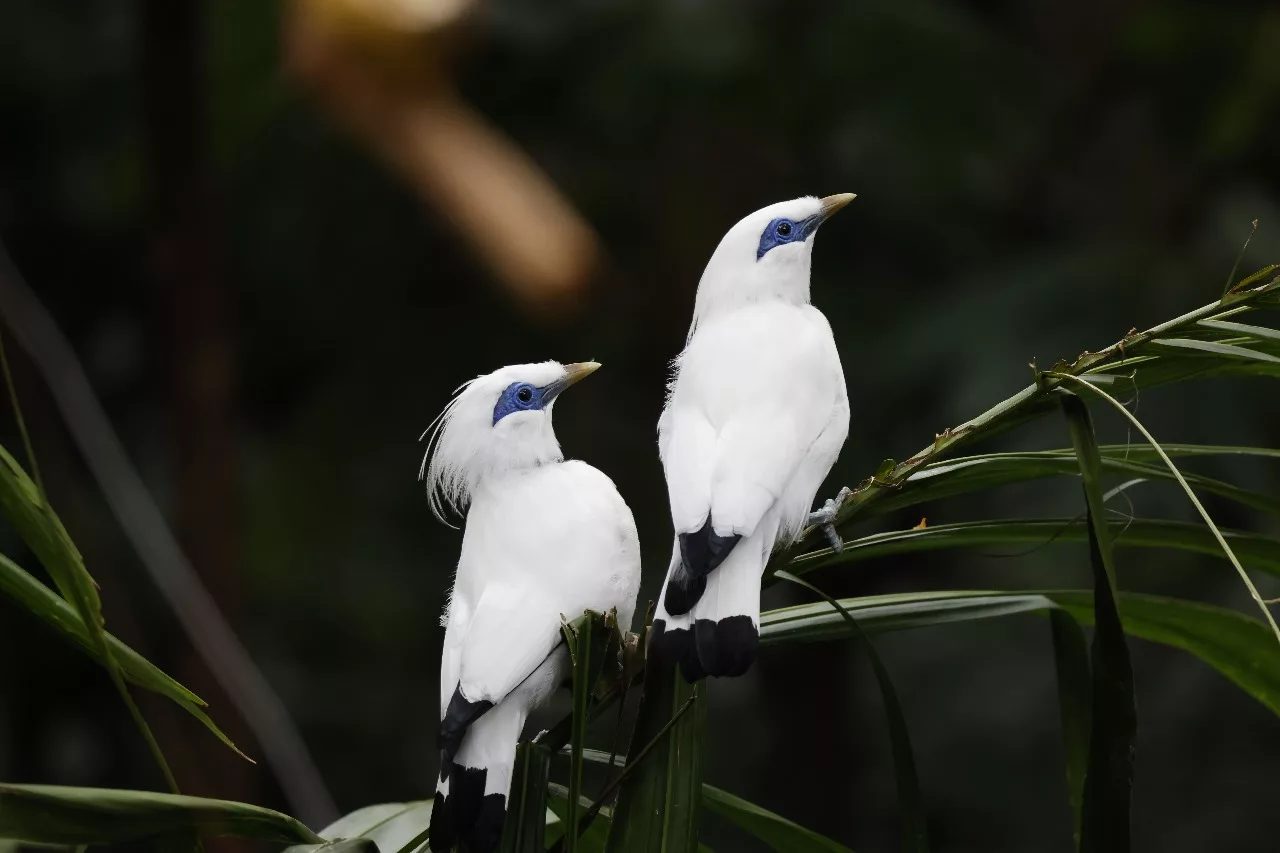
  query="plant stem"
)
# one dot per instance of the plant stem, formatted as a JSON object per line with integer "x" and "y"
{"x": 22, "y": 423}
{"x": 1022, "y": 404}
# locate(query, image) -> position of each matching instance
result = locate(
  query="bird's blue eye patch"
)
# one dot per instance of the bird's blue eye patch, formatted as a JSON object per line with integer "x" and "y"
{"x": 782, "y": 231}
{"x": 519, "y": 397}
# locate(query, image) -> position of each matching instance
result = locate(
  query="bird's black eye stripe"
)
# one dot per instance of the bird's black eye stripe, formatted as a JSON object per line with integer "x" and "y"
{"x": 525, "y": 394}
{"x": 784, "y": 229}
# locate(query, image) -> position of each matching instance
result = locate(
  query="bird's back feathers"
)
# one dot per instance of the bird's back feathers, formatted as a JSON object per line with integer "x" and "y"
{"x": 756, "y": 415}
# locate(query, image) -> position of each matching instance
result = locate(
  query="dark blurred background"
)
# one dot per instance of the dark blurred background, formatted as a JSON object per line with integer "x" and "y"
{"x": 278, "y": 236}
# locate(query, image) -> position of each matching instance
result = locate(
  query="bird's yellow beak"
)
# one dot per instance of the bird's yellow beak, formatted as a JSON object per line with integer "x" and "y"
{"x": 573, "y": 374}
{"x": 833, "y": 203}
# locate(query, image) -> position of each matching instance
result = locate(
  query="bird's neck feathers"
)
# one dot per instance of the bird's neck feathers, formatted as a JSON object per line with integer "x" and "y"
{"x": 736, "y": 277}
{"x": 764, "y": 258}
{"x": 465, "y": 454}
{"x": 734, "y": 282}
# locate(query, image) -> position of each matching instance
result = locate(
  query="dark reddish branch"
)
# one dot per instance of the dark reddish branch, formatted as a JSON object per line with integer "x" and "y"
{"x": 194, "y": 307}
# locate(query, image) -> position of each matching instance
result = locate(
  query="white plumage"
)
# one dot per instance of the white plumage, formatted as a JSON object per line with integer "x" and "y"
{"x": 755, "y": 418}
{"x": 544, "y": 539}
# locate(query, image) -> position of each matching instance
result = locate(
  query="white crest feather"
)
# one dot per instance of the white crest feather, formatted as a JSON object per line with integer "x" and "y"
{"x": 441, "y": 470}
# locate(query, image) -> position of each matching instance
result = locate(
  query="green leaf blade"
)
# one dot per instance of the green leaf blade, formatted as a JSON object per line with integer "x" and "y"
{"x": 1218, "y": 349}
{"x": 525, "y": 828}
{"x": 1260, "y": 552}
{"x": 915, "y": 827}
{"x": 1107, "y": 797}
{"x": 64, "y": 815}
{"x": 974, "y": 473}
{"x": 45, "y": 605}
{"x": 1228, "y": 641}
{"x": 659, "y": 801}
{"x": 771, "y": 828}
{"x": 26, "y": 506}
{"x": 1071, "y": 670}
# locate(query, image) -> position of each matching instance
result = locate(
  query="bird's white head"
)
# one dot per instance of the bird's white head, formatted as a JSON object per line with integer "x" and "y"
{"x": 495, "y": 423}
{"x": 765, "y": 256}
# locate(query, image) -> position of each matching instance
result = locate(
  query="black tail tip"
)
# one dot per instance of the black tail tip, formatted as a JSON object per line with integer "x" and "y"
{"x": 675, "y": 647}
{"x": 726, "y": 647}
{"x": 486, "y": 832}
{"x": 467, "y": 816}
{"x": 458, "y": 717}
{"x": 683, "y": 591}
{"x": 441, "y": 835}
{"x": 723, "y": 648}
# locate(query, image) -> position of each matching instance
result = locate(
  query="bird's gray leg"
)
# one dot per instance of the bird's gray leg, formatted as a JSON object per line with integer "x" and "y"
{"x": 825, "y": 517}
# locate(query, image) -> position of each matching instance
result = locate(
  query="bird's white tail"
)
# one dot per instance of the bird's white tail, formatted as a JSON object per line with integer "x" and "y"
{"x": 719, "y": 635}
{"x": 471, "y": 797}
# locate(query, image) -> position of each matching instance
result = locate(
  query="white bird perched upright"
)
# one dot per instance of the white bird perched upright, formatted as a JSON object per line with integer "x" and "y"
{"x": 544, "y": 538}
{"x": 756, "y": 415}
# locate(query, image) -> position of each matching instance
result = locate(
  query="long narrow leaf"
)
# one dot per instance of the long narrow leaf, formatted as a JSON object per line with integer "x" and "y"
{"x": 808, "y": 623}
{"x": 1235, "y": 645}
{"x": 578, "y": 639}
{"x": 525, "y": 827}
{"x": 594, "y": 837}
{"x": 381, "y": 828}
{"x": 1191, "y": 495}
{"x": 974, "y": 473}
{"x": 24, "y": 503}
{"x": 1013, "y": 536}
{"x": 1214, "y": 348}
{"x": 346, "y": 845}
{"x": 657, "y": 810}
{"x": 1262, "y": 332}
{"x": 915, "y": 827}
{"x": 41, "y": 602}
{"x": 42, "y": 531}
{"x": 59, "y": 815}
{"x": 1147, "y": 371}
{"x": 591, "y": 639}
{"x": 377, "y": 822}
{"x": 1071, "y": 667}
{"x": 1108, "y": 782}
{"x": 771, "y": 828}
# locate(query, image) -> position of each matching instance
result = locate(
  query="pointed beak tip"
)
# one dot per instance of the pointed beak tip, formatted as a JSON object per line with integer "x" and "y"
{"x": 833, "y": 203}
{"x": 579, "y": 371}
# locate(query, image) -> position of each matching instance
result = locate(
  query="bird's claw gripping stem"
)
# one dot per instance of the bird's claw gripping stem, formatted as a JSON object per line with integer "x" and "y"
{"x": 825, "y": 518}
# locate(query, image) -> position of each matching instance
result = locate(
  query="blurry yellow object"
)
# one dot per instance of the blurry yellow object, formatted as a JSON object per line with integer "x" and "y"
{"x": 403, "y": 43}
{"x": 381, "y": 68}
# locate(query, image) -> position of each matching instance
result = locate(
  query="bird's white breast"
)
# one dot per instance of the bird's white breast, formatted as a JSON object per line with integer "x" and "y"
{"x": 758, "y": 401}
{"x": 741, "y": 361}
{"x": 562, "y": 527}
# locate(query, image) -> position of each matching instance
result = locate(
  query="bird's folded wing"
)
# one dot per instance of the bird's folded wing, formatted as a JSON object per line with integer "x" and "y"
{"x": 513, "y": 630}
{"x": 687, "y": 445}
{"x": 745, "y": 410}
{"x": 735, "y": 473}
{"x": 756, "y": 457}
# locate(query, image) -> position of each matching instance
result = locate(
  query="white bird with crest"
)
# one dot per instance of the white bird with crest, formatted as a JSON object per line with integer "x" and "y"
{"x": 545, "y": 539}
{"x": 756, "y": 415}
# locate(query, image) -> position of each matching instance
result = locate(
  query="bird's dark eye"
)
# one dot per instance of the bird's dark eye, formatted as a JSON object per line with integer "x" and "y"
{"x": 783, "y": 229}
{"x": 525, "y": 394}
